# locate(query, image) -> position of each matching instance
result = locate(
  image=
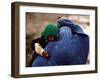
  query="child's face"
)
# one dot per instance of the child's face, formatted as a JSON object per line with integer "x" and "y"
{"x": 51, "y": 38}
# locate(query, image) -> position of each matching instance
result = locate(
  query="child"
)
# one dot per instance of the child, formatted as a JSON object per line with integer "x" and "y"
{"x": 49, "y": 34}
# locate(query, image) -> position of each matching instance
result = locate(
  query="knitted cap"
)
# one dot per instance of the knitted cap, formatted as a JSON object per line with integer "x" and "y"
{"x": 50, "y": 29}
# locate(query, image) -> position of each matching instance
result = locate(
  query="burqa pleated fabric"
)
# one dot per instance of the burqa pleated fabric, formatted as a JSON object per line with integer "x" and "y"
{"x": 72, "y": 47}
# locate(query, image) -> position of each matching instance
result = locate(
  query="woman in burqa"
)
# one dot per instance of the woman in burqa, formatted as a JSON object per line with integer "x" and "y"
{"x": 71, "y": 48}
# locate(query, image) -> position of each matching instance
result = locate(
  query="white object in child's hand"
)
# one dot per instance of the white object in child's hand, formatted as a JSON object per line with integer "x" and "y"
{"x": 39, "y": 50}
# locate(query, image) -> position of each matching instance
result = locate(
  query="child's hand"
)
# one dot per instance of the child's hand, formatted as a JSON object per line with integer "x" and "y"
{"x": 45, "y": 54}
{"x": 39, "y": 50}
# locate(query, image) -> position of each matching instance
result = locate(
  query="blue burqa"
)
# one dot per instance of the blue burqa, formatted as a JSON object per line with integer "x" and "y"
{"x": 72, "y": 47}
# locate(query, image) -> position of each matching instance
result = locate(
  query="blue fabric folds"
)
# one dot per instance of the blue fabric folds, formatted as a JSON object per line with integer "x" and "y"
{"x": 69, "y": 49}
{"x": 74, "y": 27}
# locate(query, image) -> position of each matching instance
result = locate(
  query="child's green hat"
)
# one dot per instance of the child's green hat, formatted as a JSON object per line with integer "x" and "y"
{"x": 50, "y": 29}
